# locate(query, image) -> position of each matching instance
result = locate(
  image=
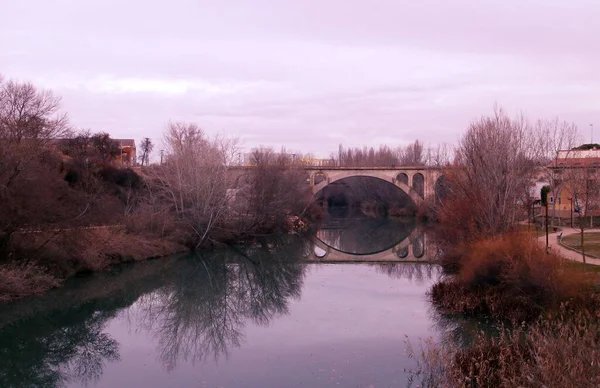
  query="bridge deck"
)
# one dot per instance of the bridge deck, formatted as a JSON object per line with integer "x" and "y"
{"x": 344, "y": 168}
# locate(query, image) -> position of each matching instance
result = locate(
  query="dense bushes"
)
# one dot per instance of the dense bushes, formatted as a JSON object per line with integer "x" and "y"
{"x": 555, "y": 352}
{"x": 512, "y": 277}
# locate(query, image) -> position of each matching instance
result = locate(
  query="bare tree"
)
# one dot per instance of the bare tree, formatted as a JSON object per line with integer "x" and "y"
{"x": 494, "y": 163}
{"x": 105, "y": 148}
{"x": 384, "y": 156}
{"x": 554, "y": 136}
{"x": 274, "y": 189}
{"x": 29, "y": 114}
{"x": 413, "y": 154}
{"x": 28, "y": 122}
{"x": 440, "y": 156}
{"x": 193, "y": 180}
{"x": 146, "y": 146}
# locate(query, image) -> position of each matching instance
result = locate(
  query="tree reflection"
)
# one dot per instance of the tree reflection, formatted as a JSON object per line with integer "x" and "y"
{"x": 203, "y": 313}
{"x": 418, "y": 272}
{"x": 458, "y": 330}
{"x": 40, "y": 355}
{"x": 196, "y": 307}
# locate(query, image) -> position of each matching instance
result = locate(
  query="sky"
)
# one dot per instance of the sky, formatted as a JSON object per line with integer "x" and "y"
{"x": 307, "y": 74}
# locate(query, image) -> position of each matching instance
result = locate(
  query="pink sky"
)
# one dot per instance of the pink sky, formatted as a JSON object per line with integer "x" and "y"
{"x": 307, "y": 74}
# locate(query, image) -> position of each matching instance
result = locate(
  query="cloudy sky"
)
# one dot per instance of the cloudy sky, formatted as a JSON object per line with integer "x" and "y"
{"x": 308, "y": 74}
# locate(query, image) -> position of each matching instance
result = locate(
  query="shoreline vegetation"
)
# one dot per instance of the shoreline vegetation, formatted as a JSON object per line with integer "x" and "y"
{"x": 71, "y": 204}
{"x": 546, "y": 309}
{"x": 67, "y": 209}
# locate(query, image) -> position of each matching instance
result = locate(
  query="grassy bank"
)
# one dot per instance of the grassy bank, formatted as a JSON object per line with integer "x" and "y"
{"x": 548, "y": 306}
{"x": 47, "y": 259}
{"x": 561, "y": 350}
{"x": 512, "y": 277}
{"x": 591, "y": 243}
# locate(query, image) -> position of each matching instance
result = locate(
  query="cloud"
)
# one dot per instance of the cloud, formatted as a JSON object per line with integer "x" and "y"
{"x": 307, "y": 74}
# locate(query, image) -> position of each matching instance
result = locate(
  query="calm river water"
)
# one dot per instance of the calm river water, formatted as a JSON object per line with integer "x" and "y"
{"x": 256, "y": 316}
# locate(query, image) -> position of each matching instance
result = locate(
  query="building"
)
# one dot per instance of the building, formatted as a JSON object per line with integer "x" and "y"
{"x": 123, "y": 154}
{"x": 568, "y": 164}
{"x": 128, "y": 156}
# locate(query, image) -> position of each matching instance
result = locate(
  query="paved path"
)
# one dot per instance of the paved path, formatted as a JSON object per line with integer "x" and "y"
{"x": 567, "y": 253}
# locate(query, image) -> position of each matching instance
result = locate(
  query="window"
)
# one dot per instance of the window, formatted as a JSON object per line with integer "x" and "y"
{"x": 551, "y": 200}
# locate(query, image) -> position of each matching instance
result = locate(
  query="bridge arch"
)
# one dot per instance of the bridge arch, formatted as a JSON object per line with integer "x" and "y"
{"x": 418, "y": 184}
{"x": 402, "y": 177}
{"x": 387, "y": 176}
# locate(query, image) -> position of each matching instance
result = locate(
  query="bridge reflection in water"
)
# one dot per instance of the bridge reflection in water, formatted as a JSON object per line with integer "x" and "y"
{"x": 370, "y": 240}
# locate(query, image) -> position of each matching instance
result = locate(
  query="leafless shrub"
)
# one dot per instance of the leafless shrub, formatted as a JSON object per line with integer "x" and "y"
{"x": 494, "y": 163}
{"x": 24, "y": 279}
{"x": 193, "y": 182}
{"x": 512, "y": 277}
{"x": 557, "y": 351}
{"x": 272, "y": 191}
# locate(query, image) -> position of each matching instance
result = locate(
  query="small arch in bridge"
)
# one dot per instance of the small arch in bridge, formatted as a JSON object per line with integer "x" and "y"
{"x": 319, "y": 177}
{"x": 402, "y": 177}
{"x": 320, "y": 252}
{"x": 419, "y": 184}
{"x": 418, "y": 245}
{"x": 402, "y": 253}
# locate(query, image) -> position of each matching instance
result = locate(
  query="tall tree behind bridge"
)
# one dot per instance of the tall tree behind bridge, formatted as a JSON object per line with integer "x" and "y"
{"x": 384, "y": 156}
{"x": 146, "y": 146}
{"x": 412, "y": 154}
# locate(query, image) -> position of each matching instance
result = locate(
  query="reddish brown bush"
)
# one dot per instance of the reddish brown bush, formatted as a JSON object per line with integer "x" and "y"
{"x": 512, "y": 277}
{"x": 20, "y": 280}
{"x": 555, "y": 352}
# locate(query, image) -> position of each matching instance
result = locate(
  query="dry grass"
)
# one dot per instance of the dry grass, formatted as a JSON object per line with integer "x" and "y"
{"x": 512, "y": 277}
{"x": 559, "y": 351}
{"x": 591, "y": 243}
{"x": 55, "y": 256}
{"x": 17, "y": 281}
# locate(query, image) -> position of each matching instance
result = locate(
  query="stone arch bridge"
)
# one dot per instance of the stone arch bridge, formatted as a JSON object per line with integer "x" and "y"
{"x": 417, "y": 182}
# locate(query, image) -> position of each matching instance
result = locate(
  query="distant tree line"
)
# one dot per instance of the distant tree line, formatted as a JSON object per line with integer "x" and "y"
{"x": 414, "y": 154}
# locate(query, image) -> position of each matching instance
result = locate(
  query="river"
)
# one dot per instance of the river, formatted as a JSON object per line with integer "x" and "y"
{"x": 268, "y": 315}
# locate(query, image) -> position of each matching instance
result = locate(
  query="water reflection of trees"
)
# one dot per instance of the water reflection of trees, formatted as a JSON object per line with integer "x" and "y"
{"x": 417, "y": 272}
{"x": 459, "y": 330}
{"x": 58, "y": 349}
{"x": 197, "y": 308}
{"x": 203, "y": 313}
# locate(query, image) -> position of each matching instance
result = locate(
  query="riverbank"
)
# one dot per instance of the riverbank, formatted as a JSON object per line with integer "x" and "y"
{"x": 46, "y": 259}
{"x": 546, "y": 307}
{"x": 50, "y": 258}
